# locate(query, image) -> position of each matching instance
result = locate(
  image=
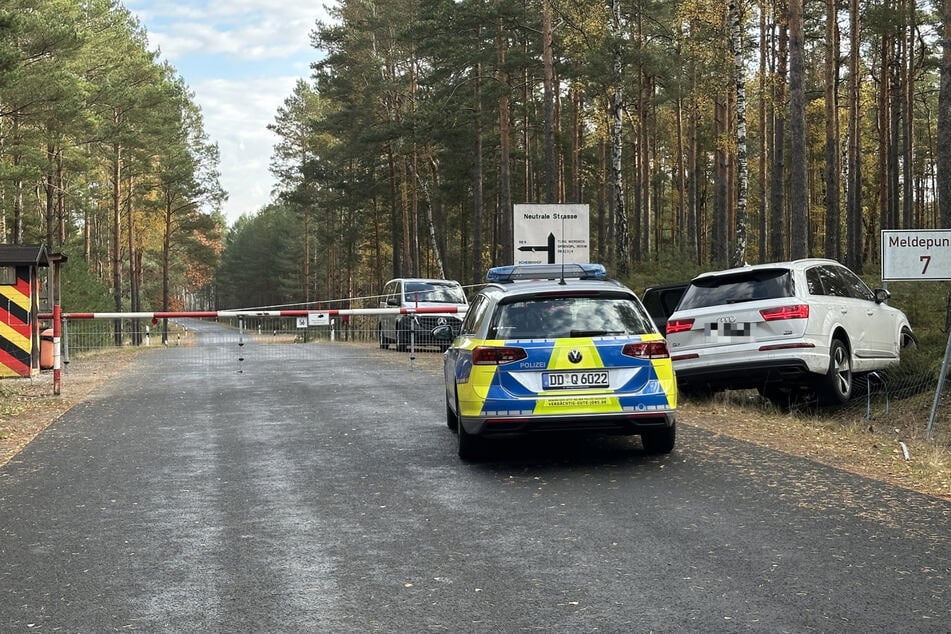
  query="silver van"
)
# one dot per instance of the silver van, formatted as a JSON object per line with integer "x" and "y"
{"x": 425, "y": 294}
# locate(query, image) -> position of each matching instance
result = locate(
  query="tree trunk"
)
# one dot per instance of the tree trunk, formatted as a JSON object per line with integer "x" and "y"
{"x": 944, "y": 122}
{"x": 621, "y": 252}
{"x": 680, "y": 224}
{"x": 548, "y": 85}
{"x": 134, "y": 299}
{"x": 166, "y": 264}
{"x": 765, "y": 130}
{"x": 476, "y": 270}
{"x": 736, "y": 42}
{"x": 50, "y": 192}
{"x": 16, "y": 233}
{"x": 721, "y": 186}
{"x": 396, "y": 231}
{"x": 430, "y": 208}
{"x": 60, "y": 201}
{"x": 895, "y": 102}
{"x": 506, "y": 229}
{"x": 908, "y": 201}
{"x": 798, "y": 183}
{"x": 577, "y": 142}
{"x": 833, "y": 247}
{"x": 884, "y": 133}
{"x": 693, "y": 172}
{"x": 853, "y": 224}
{"x": 117, "y": 236}
{"x": 777, "y": 216}
{"x": 604, "y": 224}
{"x": 644, "y": 242}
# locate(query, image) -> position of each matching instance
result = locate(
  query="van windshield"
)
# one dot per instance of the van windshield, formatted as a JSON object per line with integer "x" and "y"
{"x": 434, "y": 292}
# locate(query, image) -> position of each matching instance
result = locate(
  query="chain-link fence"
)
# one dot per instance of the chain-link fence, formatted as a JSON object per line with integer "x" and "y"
{"x": 902, "y": 397}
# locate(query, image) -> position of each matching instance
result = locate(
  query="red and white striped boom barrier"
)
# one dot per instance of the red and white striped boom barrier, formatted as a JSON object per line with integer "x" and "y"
{"x": 57, "y": 316}
{"x": 214, "y": 314}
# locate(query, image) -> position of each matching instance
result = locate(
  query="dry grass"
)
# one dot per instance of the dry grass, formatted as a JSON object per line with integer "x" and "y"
{"x": 841, "y": 438}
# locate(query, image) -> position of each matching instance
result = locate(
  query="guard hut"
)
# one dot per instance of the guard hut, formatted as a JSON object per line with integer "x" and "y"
{"x": 19, "y": 308}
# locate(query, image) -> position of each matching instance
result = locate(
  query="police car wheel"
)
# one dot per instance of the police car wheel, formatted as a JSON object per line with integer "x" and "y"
{"x": 452, "y": 421}
{"x": 470, "y": 445}
{"x": 658, "y": 442}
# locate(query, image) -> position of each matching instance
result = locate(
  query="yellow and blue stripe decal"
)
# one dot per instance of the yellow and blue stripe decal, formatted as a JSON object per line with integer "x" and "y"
{"x": 648, "y": 384}
{"x": 16, "y": 342}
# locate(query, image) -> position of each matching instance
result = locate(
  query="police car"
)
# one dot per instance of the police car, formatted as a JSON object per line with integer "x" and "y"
{"x": 557, "y": 348}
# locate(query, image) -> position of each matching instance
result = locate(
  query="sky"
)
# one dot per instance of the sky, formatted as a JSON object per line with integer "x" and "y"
{"x": 241, "y": 59}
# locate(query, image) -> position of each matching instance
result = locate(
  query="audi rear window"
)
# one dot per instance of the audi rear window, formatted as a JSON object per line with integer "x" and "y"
{"x": 745, "y": 286}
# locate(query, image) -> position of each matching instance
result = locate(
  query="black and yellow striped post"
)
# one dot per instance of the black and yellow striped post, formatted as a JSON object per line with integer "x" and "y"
{"x": 19, "y": 309}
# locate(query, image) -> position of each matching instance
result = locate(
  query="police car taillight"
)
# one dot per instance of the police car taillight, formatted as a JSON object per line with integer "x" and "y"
{"x": 646, "y": 350}
{"x": 489, "y": 355}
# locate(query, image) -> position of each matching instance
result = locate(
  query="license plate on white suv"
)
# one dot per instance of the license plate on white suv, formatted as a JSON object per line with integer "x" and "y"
{"x": 577, "y": 380}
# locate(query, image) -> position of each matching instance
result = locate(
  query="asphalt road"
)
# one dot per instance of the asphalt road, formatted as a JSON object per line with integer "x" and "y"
{"x": 320, "y": 492}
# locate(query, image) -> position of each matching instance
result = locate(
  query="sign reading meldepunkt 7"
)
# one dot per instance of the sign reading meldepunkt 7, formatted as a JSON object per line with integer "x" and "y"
{"x": 916, "y": 255}
{"x": 551, "y": 234}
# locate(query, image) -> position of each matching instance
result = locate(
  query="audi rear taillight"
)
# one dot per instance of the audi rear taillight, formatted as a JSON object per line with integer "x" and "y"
{"x": 679, "y": 325}
{"x": 646, "y": 350}
{"x": 796, "y": 311}
{"x": 490, "y": 355}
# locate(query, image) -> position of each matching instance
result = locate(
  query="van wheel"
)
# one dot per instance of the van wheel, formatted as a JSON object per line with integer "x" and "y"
{"x": 402, "y": 337}
{"x": 835, "y": 387}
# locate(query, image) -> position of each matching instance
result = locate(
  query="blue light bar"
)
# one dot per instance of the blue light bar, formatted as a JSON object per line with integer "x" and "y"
{"x": 515, "y": 272}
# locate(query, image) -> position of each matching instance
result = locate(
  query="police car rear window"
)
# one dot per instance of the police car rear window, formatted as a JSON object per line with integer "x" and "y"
{"x": 576, "y": 316}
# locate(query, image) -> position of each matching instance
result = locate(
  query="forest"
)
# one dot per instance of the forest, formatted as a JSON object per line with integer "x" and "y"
{"x": 701, "y": 135}
{"x": 103, "y": 156}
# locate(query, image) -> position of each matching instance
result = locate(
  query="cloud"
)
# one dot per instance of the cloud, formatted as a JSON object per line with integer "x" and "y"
{"x": 241, "y": 58}
{"x": 237, "y": 113}
{"x": 249, "y": 29}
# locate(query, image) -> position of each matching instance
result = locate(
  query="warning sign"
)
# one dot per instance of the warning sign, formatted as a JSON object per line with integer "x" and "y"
{"x": 318, "y": 319}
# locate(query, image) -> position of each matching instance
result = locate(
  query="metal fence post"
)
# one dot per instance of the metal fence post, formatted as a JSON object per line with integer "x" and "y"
{"x": 938, "y": 390}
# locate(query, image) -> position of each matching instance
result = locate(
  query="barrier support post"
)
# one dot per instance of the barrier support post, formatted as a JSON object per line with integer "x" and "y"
{"x": 57, "y": 361}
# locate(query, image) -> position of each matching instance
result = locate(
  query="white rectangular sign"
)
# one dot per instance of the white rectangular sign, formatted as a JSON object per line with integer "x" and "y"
{"x": 916, "y": 255}
{"x": 551, "y": 234}
{"x": 318, "y": 319}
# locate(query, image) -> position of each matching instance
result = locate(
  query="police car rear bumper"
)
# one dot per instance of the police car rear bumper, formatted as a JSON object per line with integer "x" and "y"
{"x": 613, "y": 423}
